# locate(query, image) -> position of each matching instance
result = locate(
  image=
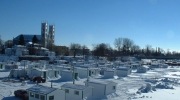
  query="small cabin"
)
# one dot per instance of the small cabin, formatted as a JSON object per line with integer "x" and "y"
{"x": 11, "y": 66}
{"x": 101, "y": 88}
{"x": 135, "y": 66}
{"x": 53, "y": 73}
{"x": 76, "y": 92}
{"x": 86, "y": 72}
{"x": 164, "y": 65}
{"x": 154, "y": 65}
{"x": 67, "y": 75}
{"x": 108, "y": 74}
{"x": 17, "y": 73}
{"x": 37, "y": 72}
{"x": 123, "y": 71}
{"x": 39, "y": 92}
{"x": 142, "y": 69}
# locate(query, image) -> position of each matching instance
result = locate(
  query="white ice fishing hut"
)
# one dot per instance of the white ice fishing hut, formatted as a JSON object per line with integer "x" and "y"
{"x": 76, "y": 92}
{"x": 101, "y": 88}
{"x": 123, "y": 71}
{"x": 108, "y": 74}
{"x": 142, "y": 69}
{"x": 39, "y": 92}
{"x": 67, "y": 75}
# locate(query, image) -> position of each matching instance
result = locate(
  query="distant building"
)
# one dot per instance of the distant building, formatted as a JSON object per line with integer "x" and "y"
{"x": 27, "y": 38}
{"x": 46, "y": 39}
{"x": 51, "y": 37}
{"x": 47, "y": 35}
{"x": 44, "y": 34}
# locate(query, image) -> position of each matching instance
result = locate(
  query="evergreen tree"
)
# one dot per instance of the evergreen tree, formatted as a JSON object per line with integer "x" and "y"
{"x": 21, "y": 40}
{"x": 35, "y": 39}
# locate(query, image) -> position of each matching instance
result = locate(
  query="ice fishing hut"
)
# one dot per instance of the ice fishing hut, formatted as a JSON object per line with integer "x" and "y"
{"x": 37, "y": 72}
{"x": 17, "y": 73}
{"x": 108, "y": 73}
{"x": 11, "y": 66}
{"x": 67, "y": 75}
{"x": 142, "y": 69}
{"x": 39, "y": 92}
{"x": 77, "y": 92}
{"x": 101, "y": 88}
{"x": 86, "y": 72}
{"x": 53, "y": 73}
{"x": 123, "y": 71}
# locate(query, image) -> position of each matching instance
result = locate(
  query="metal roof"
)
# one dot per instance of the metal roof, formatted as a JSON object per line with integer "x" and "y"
{"x": 41, "y": 89}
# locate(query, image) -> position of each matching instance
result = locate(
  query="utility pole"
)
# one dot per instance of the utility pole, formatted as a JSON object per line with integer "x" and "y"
{"x": 73, "y": 75}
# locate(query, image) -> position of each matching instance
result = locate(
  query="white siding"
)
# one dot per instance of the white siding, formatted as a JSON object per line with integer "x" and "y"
{"x": 72, "y": 96}
{"x": 109, "y": 88}
{"x": 108, "y": 74}
{"x": 98, "y": 89}
{"x": 58, "y": 95}
{"x": 33, "y": 98}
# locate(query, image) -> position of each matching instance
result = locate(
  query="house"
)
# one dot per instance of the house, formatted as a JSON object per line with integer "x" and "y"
{"x": 76, "y": 92}
{"x": 108, "y": 74}
{"x": 101, "y": 88}
{"x": 142, "y": 69}
{"x": 39, "y": 92}
{"x": 123, "y": 71}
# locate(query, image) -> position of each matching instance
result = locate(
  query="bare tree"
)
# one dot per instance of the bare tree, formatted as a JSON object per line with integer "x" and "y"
{"x": 85, "y": 50}
{"x": 118, "y": 43}
{"x": 127, "y": 44}
{"x": 148, "y": 50}
{"x": 135, "y": 49}
{"x": 75, "y": 48}
{"x": 101, "y": 50}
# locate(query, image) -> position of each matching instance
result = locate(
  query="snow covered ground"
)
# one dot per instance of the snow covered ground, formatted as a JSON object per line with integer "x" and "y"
{"x": 127, "y": 88}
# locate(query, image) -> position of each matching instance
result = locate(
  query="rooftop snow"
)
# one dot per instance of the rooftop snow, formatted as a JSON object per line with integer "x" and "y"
{"x": 74, "y": 86}
{"x": 41, "y": 89}
{"x": 101, "y": 82}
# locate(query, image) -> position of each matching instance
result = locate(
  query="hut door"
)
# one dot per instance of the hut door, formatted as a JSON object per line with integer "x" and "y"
{"x": 76, "y": 76}
{"x": 44, "y": 74}
{"x": 55, "y": 74}
{"x": 89, "y": 73}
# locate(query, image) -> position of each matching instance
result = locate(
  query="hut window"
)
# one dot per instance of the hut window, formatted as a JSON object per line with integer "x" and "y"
{"x": 37, "y": 96}
{"x": 66, "y": 90}
{"x": 76, "y": 92}
{"x": 42, "y": 97}
{"x": 51, "y": 97}
{"x": 114, "y": 87}
{"x": 31, "y": 94}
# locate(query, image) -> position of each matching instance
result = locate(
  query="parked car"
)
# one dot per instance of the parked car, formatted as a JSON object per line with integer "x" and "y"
{"x": 22, "y": 94}
{"x": 39, "y": 79}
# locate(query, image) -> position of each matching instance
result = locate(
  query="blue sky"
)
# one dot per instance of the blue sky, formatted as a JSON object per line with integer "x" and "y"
{"x": 154, "y": 22}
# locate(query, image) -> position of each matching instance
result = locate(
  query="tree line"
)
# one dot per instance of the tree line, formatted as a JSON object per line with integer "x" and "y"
{"x": 122, "y": 47}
